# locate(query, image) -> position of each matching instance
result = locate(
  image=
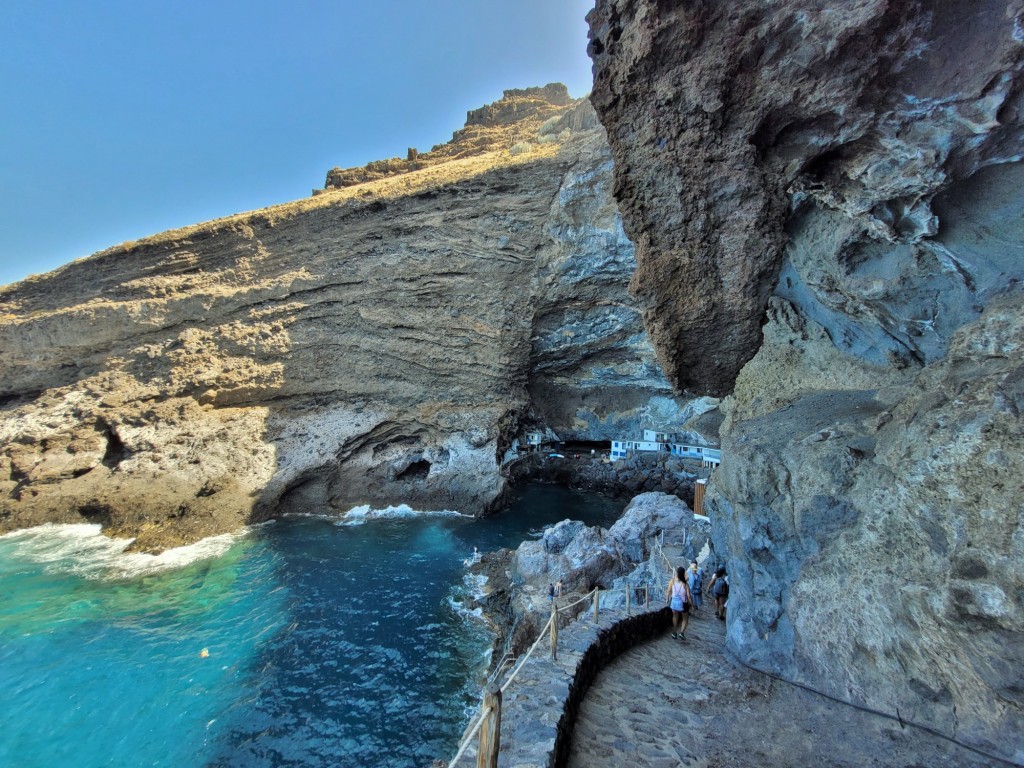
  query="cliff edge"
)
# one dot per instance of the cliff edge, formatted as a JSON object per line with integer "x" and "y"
{"x": 380, "y": 343}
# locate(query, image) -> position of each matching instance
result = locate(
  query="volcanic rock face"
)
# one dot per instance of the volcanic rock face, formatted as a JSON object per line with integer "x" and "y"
{"x": 723, "y": 117}
{"x": 376, "y": 344}
{"x": 848, "y": 176}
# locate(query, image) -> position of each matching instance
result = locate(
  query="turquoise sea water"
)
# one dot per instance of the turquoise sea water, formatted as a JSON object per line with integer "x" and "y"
{"x": 304, "y": 642}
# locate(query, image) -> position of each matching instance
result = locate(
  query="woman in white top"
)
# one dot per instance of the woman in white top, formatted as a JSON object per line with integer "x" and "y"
{"x": 680, "y": 600}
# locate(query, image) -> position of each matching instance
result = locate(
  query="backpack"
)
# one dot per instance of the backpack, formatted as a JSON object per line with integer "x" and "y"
{"x": 721, "y": 588}
{"x": 696, "y": 582}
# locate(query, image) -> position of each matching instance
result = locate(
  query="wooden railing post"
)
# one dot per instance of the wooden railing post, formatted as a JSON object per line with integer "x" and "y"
{"x": 596, "y": 601}
{"x": 647, "y": 597}
{"x": 554, "y": 631}
{"x": 629, "y": 589}
{"x": 490, "y": 731}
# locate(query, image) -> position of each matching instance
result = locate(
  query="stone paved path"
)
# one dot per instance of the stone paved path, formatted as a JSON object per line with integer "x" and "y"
{"x": 668, "y": 703}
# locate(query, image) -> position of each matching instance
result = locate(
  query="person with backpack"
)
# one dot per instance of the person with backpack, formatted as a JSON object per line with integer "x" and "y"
{"x": 680, "y": 600}
{"x": 719, "y": 587}
{"x": 695, "y": 578}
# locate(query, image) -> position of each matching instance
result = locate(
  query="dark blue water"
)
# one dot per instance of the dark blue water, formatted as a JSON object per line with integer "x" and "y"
{"x": 302, "y": 643}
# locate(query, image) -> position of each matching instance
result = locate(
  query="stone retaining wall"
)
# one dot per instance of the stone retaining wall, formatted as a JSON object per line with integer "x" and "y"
{"x": 539, "y": 709}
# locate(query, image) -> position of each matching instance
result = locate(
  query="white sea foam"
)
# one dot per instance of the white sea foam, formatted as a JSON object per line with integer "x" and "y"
{"x": 84, "y": 551}
{"x": 476, "y": 583}
{"x": 463, "y": 611}
{"x": 361, "y": 514}
{"x": 471, "y": 591}
{"x": 136, "y": 563}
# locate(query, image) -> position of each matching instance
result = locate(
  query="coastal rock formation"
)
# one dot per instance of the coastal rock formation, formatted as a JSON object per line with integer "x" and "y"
{"x": 765, "y": 123}
{"x": 582, "y": 558}
{"x": 639, "y": 472}
{"x": 826, "y": 204}
{"x": 377, "y": 344}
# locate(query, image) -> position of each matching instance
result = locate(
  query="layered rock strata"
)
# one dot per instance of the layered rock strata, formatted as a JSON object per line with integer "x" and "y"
{"x": 826, "y": 204}
{"x": 372, "y": 345}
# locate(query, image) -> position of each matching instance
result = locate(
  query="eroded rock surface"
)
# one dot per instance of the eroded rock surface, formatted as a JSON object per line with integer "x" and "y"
{"x": 582, "y": 557}
{"x": 653, "y": 526}
{"x": 826, "y": 204}
{"x": 725, "y": 117}
{"x": 376, "y": 344}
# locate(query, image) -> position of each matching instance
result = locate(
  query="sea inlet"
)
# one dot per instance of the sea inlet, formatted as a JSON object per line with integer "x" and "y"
{"x": 308, "y": 641}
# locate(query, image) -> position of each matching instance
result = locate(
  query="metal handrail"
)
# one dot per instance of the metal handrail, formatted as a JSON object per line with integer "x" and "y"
{"x": 522, "y": 660}
{"x": 509, "y": 657}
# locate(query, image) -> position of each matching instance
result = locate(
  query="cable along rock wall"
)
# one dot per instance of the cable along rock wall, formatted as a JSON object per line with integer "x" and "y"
{"x": 371, "y": 345}
{"x": 826, "y": 203}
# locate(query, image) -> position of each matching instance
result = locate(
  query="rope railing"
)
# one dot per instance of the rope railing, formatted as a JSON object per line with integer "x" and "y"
{"x": 525, "y": 656}
{"x": 660, "y": 550}
{"x": 550, "y": 628}
{"x": 583, "y": 599}
{"x": 467, "y": 739}
{"x": 490, "y": 708}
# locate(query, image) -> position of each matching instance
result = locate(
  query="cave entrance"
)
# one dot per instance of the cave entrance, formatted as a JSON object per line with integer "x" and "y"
{"x": 581, "y": 448}
{"x": 417, "y": 470}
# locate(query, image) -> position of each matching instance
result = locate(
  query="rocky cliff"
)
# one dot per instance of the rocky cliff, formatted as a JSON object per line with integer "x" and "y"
{"x": 825, "y": 200}
{"x": 376, "y": 344}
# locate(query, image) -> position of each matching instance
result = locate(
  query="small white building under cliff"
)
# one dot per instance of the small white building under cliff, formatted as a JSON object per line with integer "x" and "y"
{"x": 666, "y": 442}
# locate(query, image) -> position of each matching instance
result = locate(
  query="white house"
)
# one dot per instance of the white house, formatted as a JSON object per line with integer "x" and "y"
{"x": 712, "y": 457}
{"x": 652, "y": 436}
{"x": 708, "y": 456}
{"x": 665, "y": 441}
{"x": 621, "y": 447}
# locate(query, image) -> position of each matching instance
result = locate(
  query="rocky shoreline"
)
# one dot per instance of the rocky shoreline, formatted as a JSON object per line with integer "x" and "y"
{"x": 515, "y": 600}
{"x": 656, "y": 492}
{"x": 811, "y": 211}
{"x": 625, "y": 478}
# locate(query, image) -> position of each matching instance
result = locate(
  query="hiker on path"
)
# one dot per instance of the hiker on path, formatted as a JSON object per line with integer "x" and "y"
{"x": 719, "y": 587}
{"x": 695, "y": 579}
{"x": 680, "y": 600}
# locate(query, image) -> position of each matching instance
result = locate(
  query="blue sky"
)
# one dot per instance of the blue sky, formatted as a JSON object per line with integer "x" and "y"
{"x": 123, "y": 118}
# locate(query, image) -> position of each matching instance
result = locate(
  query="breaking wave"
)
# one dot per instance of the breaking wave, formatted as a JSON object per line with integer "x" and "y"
{"x": 82, "y": 550}
{"x": 363, "y": 513}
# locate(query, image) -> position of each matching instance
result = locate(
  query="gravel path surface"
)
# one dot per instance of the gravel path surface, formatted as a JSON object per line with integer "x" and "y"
{"x": 670, "y": 703}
